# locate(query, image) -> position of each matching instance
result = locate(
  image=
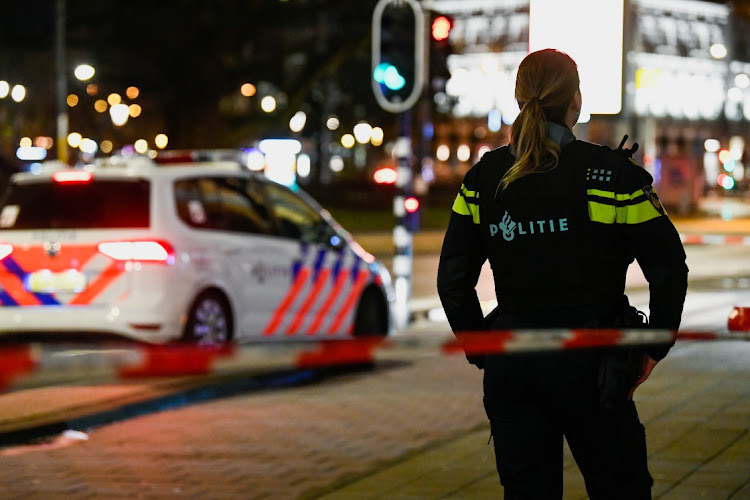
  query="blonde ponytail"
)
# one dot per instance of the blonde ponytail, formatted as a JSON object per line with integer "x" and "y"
{"x": 545, "y": 86}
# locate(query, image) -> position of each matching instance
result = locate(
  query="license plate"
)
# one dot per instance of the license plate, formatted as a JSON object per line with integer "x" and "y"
{"x": 46, "y": 281}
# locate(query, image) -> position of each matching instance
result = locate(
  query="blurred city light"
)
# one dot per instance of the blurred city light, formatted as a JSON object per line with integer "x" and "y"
{"x": 18, "y": 93}
{"x": 303, "y": 165}
{"x": 726, "y": 181}
{"x": 132, "y": 92}
{"x": 463, "y": 153}
{"x": 362, "y": 132}
{"x": 742, "y": 81}
{"x": 255, "y": 160}
{"x": 248, "y": 89}
{"x": 88, "y": 146}
{"x": 347, "y": 140}
{"x": 268, "y": 104}
{"x": 114, "y": 99}
{"x": 72, "y": 100}
{"x": 711, "y": 145}
{"x": 441, "y": 28}
{"x": 141, "y": 146}
{"x": 161, "y": 141}
{"x": 376, "y": 137}
{"x": 106, "y": 146}
{"x": 74, "y": 139}
{"x": 4, "y": 89}
{"x": 84, "y": 72}
{"x": 494, "y": 120}
{"x": 389, "y": 75}
{"x": 553, "y": 23}
{"x": 101, "y": 105}
{"x": 134, "y": 110}
{"x": 385, "y": 175}
{"x": 332, "y": 123}
{"x": 44, "y": 141}
{"x": 734, "y": 94}
{"x": 718, "y": 51}
{"x": 298, "y": 121}
{"x": 411, "y": 204}
{"x": 280, "y": 156}
{"x": 736, "y": 147}
{"x": 336, "y": 163}
{"x": 443, "y": 152}
{"x": 119, "y": 114}
{"x": 92, "y": 89}
{"x": 427, "y": 171}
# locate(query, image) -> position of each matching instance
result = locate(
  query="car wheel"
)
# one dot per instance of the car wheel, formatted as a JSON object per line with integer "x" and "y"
{"x": 209, "y": 321}
{"x": 372, "y": 315}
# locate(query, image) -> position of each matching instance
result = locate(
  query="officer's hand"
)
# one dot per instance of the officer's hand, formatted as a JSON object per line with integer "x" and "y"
{"x": 648, "y": 366}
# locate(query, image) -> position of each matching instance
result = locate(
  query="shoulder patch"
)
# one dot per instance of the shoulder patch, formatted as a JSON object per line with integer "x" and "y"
{"x": 653, "y": 198}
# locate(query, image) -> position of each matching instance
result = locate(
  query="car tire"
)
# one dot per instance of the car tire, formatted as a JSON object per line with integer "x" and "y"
{"x": 210, "y": 320}
{"x": 372, "y": 315}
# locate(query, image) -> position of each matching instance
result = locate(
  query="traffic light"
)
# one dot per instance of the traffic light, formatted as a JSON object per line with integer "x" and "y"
{"x": 440, "y": 27}
{"x": 411, "y": 220}
{"x": 398, "y": 54}
{"x": 440, "y": 48}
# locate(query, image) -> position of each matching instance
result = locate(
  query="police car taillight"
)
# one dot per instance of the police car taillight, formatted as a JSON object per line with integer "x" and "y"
{"x": 5, "y": 250}
{"x": 72, "y": 176}
{"x": 139, "y": 251}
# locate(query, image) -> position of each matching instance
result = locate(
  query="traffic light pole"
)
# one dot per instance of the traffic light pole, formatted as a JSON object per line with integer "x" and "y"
{"x": 402, "y": 232}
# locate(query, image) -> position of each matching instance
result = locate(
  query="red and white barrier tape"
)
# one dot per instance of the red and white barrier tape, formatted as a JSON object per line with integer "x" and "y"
{"x": 714, "y": 239}
{"x": 46, "y": 362}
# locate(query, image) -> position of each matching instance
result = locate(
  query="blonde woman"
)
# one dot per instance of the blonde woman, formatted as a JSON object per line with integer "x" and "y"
{"x": 560, "y": 220}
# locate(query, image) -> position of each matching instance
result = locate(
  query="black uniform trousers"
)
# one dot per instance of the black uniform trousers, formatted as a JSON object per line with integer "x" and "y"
{"x": 534, "y": 400}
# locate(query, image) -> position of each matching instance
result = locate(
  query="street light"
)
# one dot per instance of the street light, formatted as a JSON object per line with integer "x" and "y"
{"x": 363, "y": 132}
{"x": 119, "y": 114}
{"x": 18, "y": 93}
{"x": 84, "y": 72}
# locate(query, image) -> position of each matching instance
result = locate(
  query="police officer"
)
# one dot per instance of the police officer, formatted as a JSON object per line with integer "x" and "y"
{"x": 560, "y": 221}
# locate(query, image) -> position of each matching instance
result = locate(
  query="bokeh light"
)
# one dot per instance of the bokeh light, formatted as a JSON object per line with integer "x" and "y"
{"x": 84, "y": 72}
{"x": 74, "y": 139}
{"x": 248, "y": 89}
{"x": 161, "y": 141}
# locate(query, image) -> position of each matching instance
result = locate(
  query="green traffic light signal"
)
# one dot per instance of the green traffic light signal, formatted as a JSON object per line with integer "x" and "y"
{"x": 387, "y": 74}
{"x": 398, "y": 54}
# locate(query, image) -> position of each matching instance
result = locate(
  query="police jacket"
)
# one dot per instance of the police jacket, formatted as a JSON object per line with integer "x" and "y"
{"x": 559, "y": 243}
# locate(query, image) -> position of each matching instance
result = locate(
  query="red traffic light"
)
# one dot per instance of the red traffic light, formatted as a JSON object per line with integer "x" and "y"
{"x": 441, "y": 28}
{"x": 411, "y": 204}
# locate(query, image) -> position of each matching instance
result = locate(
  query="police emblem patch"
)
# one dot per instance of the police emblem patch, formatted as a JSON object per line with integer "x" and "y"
{"x": 651, "y": 195}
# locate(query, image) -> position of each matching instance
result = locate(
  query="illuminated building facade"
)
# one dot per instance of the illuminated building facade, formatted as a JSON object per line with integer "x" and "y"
{"x": 684, "y": 93}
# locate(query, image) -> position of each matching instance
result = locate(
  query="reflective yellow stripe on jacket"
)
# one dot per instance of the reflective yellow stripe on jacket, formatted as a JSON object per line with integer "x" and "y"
{"x": 611, "y": 208}
{"x": 467, "y": 203}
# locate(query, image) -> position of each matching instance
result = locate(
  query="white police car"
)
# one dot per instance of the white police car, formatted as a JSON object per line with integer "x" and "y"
{"x": 205, "y": 252}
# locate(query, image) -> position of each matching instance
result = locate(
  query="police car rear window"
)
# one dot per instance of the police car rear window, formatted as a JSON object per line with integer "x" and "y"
{"x": 93, "y": 205}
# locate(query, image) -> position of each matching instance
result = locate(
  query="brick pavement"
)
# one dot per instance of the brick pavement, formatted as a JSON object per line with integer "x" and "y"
{"x": 408, "y": 430}
{"x": 696, "y": 409}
